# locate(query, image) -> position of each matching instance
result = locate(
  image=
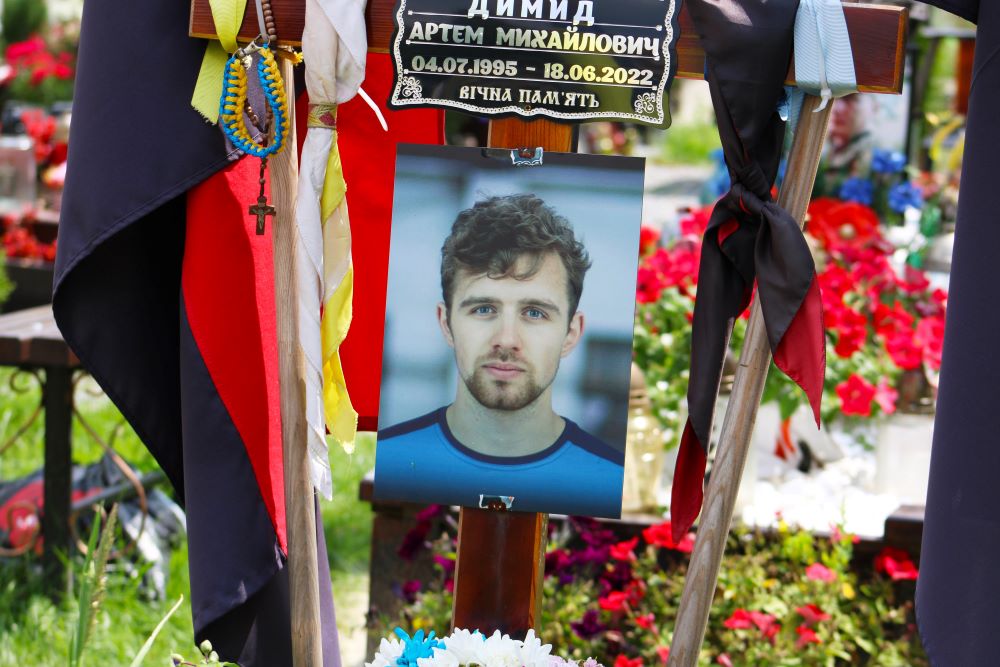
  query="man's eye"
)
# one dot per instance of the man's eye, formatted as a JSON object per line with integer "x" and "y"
{"x": 483, "y": 310}
{"x": 535, "y": 314}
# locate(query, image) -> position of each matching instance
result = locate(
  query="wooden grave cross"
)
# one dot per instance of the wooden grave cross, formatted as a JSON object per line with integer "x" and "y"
{"x": 500, "y": 564}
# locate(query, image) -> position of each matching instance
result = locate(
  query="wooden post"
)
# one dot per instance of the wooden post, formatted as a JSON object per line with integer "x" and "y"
{"x": 501, "y": 555}
{"x": 741, "y": 413}
{"x": 300, "y": 510}
{"x": 57, "y": 393}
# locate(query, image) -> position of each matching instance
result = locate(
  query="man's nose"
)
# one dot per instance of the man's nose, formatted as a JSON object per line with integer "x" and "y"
{"x": 507, "y": 334}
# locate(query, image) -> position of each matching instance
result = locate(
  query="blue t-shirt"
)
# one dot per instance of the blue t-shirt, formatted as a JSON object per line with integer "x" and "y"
{"x": 422, "y": 461}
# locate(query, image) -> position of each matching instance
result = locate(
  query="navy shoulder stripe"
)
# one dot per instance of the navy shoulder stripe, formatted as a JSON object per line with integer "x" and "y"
{"x": 592, "y": 444}
{"x": 412, "y": 425}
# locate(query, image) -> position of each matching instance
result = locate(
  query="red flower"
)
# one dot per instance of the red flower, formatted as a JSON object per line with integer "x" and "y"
{"x": 724, "y": 660}
{"x": 930, "y": 336}
{"x": 622, "y": 661}
{"x": 624, "y": 550}
{"x": 765, "y": 623}
{"x": 648, "y": 286}
{"x": 659, "y": 535}
{"x": 648, "y": 238}
{"x": 896, "y": 563}
{"x": 812, "y": 614}
{"x": 904, "y": 350}
{"x": 739, "y": 620}
{"x": 806, "y": 636}
{"x": 836, "y": 223}
{"x": 820, "y": 572}
{"x": 889, "y": 321}
{"x": 696, "y": 222}
{"x": 647, "y": 621}
{"x": 856, "y": 394}
{"x": 664, "y": 653}
{"x": 913, "y": 281}
{"x": 635, "y": 591}
{"x": 852, "y": 331}
{"x": 614, "y": 601}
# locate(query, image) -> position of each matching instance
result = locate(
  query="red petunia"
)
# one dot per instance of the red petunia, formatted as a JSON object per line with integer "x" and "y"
{"x": 812, "y": 614}
{"x": 660, "y": 535}
{"x": 724, "y": 660}
{"x": 856, "y": 394}
{"x": 648, "y": 238}
{"x": 622, "y": 661}
{"x": 739, "y": 620}
{"x": 664, "y": 653}
{"x": 852, "y": 331}
{"x": 913, "y": 281}
{"x": 624, "y": 550}
{"x": 835, "y": 223}
{"x": 614, "y": 601}
{"x": 648, "y": 286}
{"x": 885, "y": 396}
{"x": 904, "y": 350}
{"x": 646, "y": 621}
{"x": 696, "y": 221}
{"x": 806, "y": 636}
{"x": 896, "y": 564}
{"x": 820, "y": 572}
{"x": 930, "y": 336}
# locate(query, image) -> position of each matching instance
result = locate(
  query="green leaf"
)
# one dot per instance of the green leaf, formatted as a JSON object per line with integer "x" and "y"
{"x": 141, "y": 655}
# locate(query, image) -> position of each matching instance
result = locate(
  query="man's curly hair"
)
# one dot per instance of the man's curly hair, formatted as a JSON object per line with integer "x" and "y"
{"x": 496, "y": 232}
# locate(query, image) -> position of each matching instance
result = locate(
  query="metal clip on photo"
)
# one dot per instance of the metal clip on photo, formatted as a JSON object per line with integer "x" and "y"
{"x": 519, "y": 157}
{"x": 497, "y": 503}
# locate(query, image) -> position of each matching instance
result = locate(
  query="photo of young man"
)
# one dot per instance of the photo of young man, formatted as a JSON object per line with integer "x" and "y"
{"x": 512, "y": 274}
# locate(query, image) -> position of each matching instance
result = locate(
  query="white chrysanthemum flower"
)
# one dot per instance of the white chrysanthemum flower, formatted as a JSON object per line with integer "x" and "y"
{"x": 388, "y": 651}
{"x": 533, "y": 652}
{"x": 442, "y": 658}
{"x": 465, "y": 646}
{"x": 500, "y": 651}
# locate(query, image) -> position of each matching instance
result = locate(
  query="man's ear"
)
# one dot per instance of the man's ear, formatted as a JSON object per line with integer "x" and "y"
{"x": 442, "y": 315}
{"x": 574, "y": 334}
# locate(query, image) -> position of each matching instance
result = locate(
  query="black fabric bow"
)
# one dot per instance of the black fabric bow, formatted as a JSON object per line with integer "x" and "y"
{"x": 750, "y": 240}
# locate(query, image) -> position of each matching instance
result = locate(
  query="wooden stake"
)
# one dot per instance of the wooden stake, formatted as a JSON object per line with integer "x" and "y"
{"x": 300, "y": 509}
{"x": 501, "y": 555}
{"x": 741, "y": 413}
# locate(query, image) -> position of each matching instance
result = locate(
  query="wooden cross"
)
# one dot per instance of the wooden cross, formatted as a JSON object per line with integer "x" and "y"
{"x": 501, "y": 555}
{"x": 261, "y": 209}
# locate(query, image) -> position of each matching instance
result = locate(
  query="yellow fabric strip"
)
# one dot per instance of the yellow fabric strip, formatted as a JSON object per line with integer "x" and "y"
{"x": 334, "y": 187}
{"x": 341, "y": 418}
{"x": 228, "y": 16}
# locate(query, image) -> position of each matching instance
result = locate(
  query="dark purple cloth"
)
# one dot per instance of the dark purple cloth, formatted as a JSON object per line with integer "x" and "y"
{"x": 959, "y": 579}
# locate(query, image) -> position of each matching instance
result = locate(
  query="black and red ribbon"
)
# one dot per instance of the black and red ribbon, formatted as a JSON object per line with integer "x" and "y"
{"x": 750, "y": 240}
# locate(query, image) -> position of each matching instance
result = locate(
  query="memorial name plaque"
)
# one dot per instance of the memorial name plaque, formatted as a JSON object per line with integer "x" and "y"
{"x": 565, "y": 59}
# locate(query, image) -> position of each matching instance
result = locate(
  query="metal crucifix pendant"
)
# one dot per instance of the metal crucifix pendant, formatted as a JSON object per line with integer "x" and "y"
{"x": 262, "y": 209}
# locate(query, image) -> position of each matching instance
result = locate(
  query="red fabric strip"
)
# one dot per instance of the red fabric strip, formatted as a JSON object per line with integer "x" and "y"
{"x": 727, "y": 229}
{"x": 687, "y": 493}
{"x": 228, "y": 285}
{"x": 801, "y": 354}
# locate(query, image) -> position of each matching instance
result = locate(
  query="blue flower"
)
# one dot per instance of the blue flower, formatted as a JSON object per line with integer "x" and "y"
{"x": 857, "y": 189}
{"x": 416, "y": 647}
{"x": 904, "y": 196}
{"x": 887, "y": 162}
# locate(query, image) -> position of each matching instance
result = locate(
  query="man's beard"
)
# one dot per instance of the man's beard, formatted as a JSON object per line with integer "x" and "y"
{"x": 500, "y": 394}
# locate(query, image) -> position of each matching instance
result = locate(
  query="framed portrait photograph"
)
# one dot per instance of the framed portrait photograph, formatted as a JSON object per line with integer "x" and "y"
{"x": 508, "y": 330}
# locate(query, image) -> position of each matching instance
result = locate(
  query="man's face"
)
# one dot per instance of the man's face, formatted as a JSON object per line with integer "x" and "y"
{"x": 510, "y": 334}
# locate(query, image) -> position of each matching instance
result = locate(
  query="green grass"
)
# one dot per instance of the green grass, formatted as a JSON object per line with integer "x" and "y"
{"x": 690, "y": 144}
{"x": 36, "y": 631}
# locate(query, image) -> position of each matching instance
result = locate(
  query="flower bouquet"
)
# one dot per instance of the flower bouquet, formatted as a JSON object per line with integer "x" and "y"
{"x": 462, "y": 647}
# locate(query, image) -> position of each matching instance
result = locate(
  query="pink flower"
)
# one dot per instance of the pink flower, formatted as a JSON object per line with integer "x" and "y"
{"x": 856, "y": 394}
{"x": 886, "y": 396}
{"x": 696, "y": 222}
{"x": 820, "y": 572}
{"x": 930, "y": 336}
{"x": 724, "y": 660}
{"x": 897, "y": 564}
{"x": 622, "y": 661}
{"x": 646, "y": 621}
{"x": 812, "y": 614}
{"x": 806, "y": 636}
{"x": 664, "y": 653}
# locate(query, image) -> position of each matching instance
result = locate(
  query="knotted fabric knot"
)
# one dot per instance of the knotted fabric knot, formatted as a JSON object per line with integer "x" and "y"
{"x": 323, "y": 115}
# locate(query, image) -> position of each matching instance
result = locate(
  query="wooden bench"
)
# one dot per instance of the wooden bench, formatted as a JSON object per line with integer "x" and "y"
{"x": 30, "y": 340}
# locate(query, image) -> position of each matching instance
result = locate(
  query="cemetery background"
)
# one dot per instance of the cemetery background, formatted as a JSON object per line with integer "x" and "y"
{"x": 610, "y": 627}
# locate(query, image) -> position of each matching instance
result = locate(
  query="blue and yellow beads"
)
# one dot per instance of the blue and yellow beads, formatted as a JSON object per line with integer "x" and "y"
{"x": 234, "y": 94}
